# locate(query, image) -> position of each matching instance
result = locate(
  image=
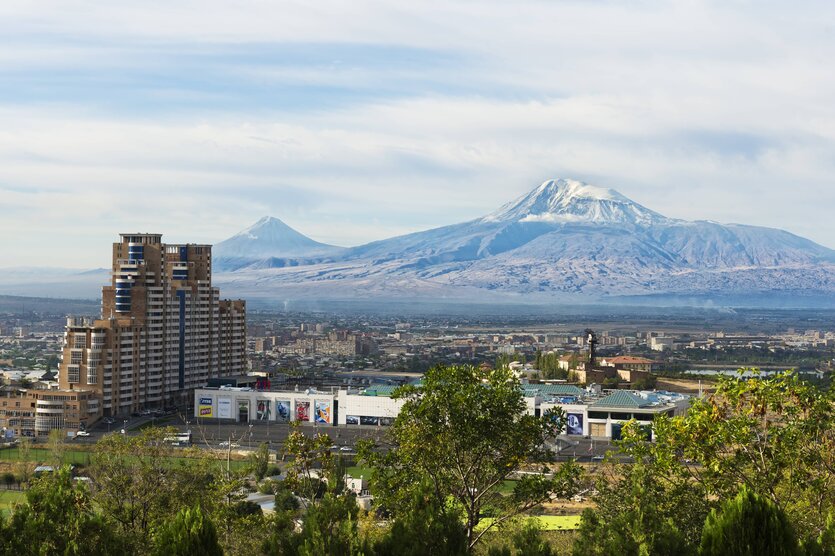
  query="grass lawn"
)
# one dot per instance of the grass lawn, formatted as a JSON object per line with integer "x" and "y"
{"x": 8, "y": 498}
{"x": 547, "y": 522}
{"x": 356, "y": 471}
{"x": 81, "y": 457}
{"x": 43, "y": 455}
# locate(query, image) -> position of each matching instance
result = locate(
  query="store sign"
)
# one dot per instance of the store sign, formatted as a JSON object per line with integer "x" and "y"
{"x": 282, "y": 410}
{"x": 323, "y": 411}
{"x": 302, "y": 411}
{"x": 224, "y": 408}
{"x": 205, "y": 408}
{"x": 574, "y": 424}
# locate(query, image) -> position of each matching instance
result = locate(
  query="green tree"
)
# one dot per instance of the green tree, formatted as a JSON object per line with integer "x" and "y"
{"x": 329, "y": 524}
{"x": 190, "y": 533}
{"x": 775, "y": 435}
{"x": 139, "y": 485}
{"x": 424, "y": 526}
{"x": 824, "y": 544}
{"x": 528, "y": 540}
{"x": 260, "y": 461}
{"x": 748, "y": 525}
{"x": 59, "y": 518}
{"x": 56, "y": 445}
{"x": 636, "y": 516}
{"x": 465, "y": 430}
{"x": 24, "y": 451}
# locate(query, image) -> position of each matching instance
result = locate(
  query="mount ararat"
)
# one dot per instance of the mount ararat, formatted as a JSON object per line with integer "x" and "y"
{"x": 564, "y": 241}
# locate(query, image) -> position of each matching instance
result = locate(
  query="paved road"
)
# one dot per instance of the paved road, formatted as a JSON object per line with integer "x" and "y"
{"x": 212, "y": 434}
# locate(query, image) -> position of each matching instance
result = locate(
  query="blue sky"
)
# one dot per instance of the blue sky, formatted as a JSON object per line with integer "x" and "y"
{"x": 356, "y": 121}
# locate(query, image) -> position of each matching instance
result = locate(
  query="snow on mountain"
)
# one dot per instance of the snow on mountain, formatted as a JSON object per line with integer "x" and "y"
{"x": 558, "y": 201}
{"x": 269, "y": 238}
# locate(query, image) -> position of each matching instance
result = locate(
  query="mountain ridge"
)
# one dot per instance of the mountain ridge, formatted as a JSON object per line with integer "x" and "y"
{"x": 563, "y": 237}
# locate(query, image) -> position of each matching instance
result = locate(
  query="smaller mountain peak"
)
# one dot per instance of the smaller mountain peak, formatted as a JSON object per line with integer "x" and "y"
{"x": 271, "y": 237}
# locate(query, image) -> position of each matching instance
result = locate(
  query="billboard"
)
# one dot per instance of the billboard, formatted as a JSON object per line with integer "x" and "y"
{"x": 302, "y": 410}
{"x": 282, "y": 410}
{"x": 205, "y": 408}
{"x": 366, "y": 420}
{"x": 574, "y": 425}
{"x": 224, "y": 408}
{"x": 352, "y": 419}
{"x": 386, "y": 421}
{"x": 323, "y": 411}
{"x": 262, "y": 410}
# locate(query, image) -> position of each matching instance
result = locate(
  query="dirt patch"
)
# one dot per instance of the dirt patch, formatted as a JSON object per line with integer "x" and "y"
{"x": 684, "y": 385}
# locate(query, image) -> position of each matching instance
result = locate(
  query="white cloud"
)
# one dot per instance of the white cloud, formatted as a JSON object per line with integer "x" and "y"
{"x": 713, "y": 110}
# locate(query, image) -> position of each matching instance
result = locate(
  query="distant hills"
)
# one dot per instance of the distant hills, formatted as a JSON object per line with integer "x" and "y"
{"x": 563, "y": 242}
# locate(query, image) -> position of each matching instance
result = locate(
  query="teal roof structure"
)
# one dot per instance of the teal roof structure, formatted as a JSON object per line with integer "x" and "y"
{"x": 552, "y": 389}
{"x": 379, "y": 390}
{"x": 621, "y": 399}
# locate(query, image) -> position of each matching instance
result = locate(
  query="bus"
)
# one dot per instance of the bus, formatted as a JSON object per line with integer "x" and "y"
{"x": 179, "y": 439}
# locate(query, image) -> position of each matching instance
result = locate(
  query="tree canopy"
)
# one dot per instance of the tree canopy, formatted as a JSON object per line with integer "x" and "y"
{"x": 465, "y": 431}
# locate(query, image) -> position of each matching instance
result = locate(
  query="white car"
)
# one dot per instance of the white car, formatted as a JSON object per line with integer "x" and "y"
{"x": 82, "y": 434}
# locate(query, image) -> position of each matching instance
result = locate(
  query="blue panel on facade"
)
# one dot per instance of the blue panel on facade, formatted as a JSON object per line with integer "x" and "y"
{"x": 183, "y": 253}
{"x": 136, "y": 252}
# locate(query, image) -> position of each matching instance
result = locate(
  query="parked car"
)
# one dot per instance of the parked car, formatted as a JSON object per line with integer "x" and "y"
{"x": 82, "y": 434}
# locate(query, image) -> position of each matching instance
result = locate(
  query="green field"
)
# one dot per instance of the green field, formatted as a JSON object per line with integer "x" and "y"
{"x": 357, "y": 471}
{"x": 83, "y": 457}
{"x": 548, "y": 522}
{"x": 8, "y": 498}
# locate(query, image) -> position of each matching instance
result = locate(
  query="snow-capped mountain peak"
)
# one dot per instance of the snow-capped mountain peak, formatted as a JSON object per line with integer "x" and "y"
{"x": 566, "y": 200}
{"x": 270, "y": 237}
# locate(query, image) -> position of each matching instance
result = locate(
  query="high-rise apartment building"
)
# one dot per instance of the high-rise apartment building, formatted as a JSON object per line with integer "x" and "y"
{"x": 163, "y": 329}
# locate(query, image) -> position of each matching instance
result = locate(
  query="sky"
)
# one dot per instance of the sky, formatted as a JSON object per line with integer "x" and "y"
{"x": 362, "y": 120}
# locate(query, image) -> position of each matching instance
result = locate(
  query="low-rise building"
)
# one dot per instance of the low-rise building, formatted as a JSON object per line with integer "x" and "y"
{"x": 36, "y": 412}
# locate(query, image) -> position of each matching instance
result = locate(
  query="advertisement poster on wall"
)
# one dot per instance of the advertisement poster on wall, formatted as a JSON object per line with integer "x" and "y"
{"x": 282, "y": 410}
{"x": 205, "y": 409}
{"x": 224, "y": 408}
{"x": 262, "y": 410}
{"x": 323, "y": 411}
{"x": 302, "y": 411}
{"x": 574, "y": 424}
{"x": 352, "y": 419}
{"x": 366, "y": 420}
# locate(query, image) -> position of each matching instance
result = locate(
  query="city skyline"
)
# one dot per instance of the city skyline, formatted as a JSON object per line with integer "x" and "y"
{"x": 354, "y": 125}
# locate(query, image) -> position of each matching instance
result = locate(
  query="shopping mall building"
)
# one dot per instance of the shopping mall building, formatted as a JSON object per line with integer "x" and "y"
{"x": 590, "y": 411}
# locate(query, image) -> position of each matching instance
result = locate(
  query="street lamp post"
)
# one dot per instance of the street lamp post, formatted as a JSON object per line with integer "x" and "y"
{"x": 250, "y": 436}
